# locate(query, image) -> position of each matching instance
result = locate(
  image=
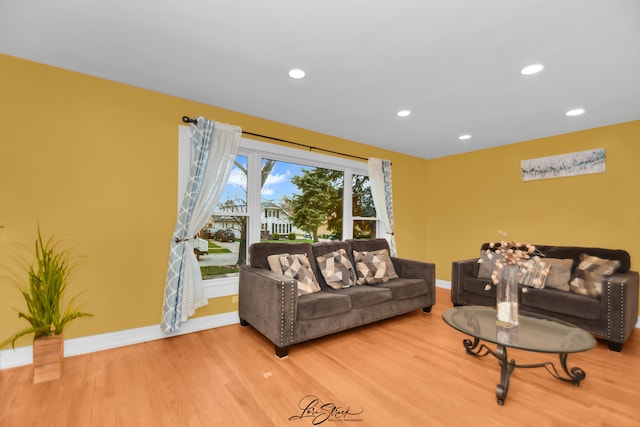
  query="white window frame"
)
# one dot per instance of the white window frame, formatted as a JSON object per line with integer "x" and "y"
{"x": 255, "y": 151}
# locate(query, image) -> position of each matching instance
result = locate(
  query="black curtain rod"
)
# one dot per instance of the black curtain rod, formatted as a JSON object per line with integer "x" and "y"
{"x": 310, "y": 147}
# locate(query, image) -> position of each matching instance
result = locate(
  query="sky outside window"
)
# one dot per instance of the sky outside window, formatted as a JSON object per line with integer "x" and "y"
{"x": 277, "y": 185}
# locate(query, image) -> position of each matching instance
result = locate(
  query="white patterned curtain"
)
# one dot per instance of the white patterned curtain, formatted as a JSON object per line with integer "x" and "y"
{"x": 213, "y": 152}
{"x": 380, "y": 179}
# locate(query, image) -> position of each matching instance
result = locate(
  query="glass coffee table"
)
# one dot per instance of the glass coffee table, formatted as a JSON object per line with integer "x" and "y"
{"x": 536, "y": 333}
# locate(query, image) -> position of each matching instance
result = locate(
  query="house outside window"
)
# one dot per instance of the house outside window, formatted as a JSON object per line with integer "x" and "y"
{"x": 275, "y": 221}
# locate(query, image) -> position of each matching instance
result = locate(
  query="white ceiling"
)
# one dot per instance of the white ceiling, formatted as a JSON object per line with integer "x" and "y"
{"x": 454, "y": 63}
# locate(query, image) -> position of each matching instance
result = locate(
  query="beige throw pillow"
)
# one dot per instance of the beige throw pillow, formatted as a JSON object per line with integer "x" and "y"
{"x": 560, "y": 273}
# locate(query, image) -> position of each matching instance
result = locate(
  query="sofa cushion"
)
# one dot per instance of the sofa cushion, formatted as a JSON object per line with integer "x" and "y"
{"x": 405, "y": 288}
{"x": 574, "y": 253}
{"x": 487, "y": 264}
{"x": 589, "y": 274}
{"x": 296, "y": 266}
{"x": 322, "y": 304}
{"x": 479, "y": 286}
{"x": 374, "y": 267}
{"x": 259, "y": 252}
{"x": 368, "y": 245}
{"x": 337, "y": 269}
{"x": 364, "y": 296}
{"x": 560, "y": 273}
{"x": 556, "y": 301}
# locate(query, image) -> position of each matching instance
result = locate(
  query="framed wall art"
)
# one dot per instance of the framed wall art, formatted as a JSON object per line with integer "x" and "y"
{"x": 571, "y": 164}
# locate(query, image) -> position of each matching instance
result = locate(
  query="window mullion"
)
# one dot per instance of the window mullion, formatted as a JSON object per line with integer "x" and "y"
{"x": 254, "y": 186}
{"x": 347, "y": 206}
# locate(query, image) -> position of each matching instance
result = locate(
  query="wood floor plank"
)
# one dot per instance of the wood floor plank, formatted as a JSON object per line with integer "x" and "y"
{"x": 408, "y": 371}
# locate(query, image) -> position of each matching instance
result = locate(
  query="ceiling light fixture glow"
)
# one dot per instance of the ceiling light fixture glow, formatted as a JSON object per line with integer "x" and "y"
{"x": 575, "y": 112}
{"x": 532, "y": 69}
{"x": 464, "y": 137}
{"x": 404, "y": 113}
{"x": 296, "y": 73}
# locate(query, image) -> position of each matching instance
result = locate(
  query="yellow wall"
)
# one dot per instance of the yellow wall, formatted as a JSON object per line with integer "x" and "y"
{"x": 95, "y": 163}
{"x": 472, "y": 196}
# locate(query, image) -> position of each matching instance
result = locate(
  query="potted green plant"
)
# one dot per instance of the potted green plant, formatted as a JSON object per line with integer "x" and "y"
{"x": 44, "y": 295}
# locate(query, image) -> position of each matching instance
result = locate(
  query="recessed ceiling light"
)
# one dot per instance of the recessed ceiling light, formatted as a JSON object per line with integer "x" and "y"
{"x": 464, "y": 137}
{"x": 404, "y": 113}
{"x": 575, "y": 112}
{"x": 532, "y": 69}
{"x": 296, "y": 73}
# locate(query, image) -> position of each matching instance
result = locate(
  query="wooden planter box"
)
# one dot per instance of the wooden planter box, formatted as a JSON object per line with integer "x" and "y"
{"x": 48, "y": 358}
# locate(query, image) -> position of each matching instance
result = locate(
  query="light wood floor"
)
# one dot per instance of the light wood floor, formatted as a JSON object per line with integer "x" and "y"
{"x": 407, "y": 371}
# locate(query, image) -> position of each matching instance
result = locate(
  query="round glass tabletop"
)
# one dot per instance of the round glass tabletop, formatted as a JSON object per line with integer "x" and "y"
{"x": 534, "y": 333}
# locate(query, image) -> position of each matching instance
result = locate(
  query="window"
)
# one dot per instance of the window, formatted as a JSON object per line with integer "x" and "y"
{"x": 364, "y": 212}
{"x": 302, "y": 201}
{"x": 278, "y": 193}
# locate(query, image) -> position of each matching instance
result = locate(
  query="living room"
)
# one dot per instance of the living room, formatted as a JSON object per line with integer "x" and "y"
{"x": 96, "y": 162}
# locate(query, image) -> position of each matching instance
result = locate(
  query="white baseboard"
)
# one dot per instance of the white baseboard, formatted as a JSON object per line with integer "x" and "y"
{"x": 75, "y": 346}
{"x": 443, "y": 284}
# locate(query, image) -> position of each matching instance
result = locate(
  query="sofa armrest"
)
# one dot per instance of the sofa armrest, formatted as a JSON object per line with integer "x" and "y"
{"x": 620, "y": 303}
{"x": 268, "y": 301}
{"x": 412, "y": 269}
{"x": 459, "y": 271}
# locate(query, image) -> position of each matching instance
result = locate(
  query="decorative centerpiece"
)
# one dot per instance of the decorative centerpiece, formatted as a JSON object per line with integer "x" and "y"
{"x": 507, "y": 296}
{"x": 510, "y": 264}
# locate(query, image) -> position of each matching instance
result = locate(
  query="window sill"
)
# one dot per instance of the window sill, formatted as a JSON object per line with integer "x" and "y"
{"x": 220, "y": 287}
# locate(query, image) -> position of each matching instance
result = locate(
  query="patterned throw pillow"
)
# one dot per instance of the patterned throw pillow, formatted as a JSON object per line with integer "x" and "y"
{"x": 337, "y": 270}
{"x": 374, "y": 267}
{"x": 589, "y": 273}
{"x": 533, "y": 273}
{"x": 296, "y": 266}
{"x": 525, "y": 271}
{"x": 391, "y": 271}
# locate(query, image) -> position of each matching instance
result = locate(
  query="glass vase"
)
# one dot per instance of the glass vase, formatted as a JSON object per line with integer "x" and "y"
{"x": 507, "y": 297}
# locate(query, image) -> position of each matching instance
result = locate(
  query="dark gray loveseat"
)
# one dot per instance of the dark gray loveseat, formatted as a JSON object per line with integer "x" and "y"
{"x": 270, "y": 303}
{"x": 611, "y": 315}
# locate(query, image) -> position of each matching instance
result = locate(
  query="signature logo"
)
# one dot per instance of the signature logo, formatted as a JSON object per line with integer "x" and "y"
{"x": 319, "y": 412}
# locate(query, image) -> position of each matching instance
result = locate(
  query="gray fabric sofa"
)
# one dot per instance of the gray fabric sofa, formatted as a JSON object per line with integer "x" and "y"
{"x": 610, "y": 314}
{"x": 269, "y": 301}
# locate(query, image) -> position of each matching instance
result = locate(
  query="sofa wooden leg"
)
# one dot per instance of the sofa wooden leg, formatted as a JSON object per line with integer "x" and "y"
{"x": 282, "y": 351}
{"x": 243, "y": 322}
{"x": 614, "y": 346}
{"x": 427, "y": 309}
